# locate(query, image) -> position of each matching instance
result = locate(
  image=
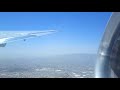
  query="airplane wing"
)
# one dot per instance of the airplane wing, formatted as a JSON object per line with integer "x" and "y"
{"x": 15, "y": 36}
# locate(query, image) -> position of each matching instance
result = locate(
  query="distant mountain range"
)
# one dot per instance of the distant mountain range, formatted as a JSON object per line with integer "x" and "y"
{"x": 75, "y": 58}
{"x": 63, "y": 59}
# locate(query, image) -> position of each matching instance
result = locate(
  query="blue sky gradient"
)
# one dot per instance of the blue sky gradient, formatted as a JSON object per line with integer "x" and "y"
{"x": 78, "y": 32}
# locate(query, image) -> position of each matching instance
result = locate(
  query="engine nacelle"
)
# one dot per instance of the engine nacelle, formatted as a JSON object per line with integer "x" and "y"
{"x": 108, "y": 64}
{"x": 3, "y": 44}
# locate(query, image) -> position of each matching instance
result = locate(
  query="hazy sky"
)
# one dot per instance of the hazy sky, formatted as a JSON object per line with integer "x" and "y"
{"x": 78, "y": 32}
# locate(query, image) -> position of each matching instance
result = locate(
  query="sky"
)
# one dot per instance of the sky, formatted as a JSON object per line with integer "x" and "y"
{"x": 77, "y": 32}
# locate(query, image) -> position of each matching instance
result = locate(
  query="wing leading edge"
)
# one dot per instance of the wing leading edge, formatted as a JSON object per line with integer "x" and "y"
{"x": 23, "y": 36}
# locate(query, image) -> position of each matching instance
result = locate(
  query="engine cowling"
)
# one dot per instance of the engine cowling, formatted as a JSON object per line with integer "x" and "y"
{"x": 108, "y": 61}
